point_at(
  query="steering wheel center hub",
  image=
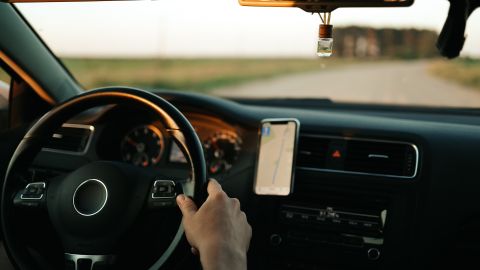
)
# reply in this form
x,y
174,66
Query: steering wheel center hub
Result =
x,y
90,197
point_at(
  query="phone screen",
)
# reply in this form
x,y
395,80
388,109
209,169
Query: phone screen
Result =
x,y
276,155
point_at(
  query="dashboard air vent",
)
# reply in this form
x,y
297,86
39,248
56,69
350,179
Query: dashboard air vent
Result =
x,y
358,156
70,138
388,158
312,152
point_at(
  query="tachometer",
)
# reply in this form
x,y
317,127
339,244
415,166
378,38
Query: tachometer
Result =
x,y
221,150
143,146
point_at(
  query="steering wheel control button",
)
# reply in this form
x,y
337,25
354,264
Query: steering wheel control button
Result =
x,y
163,189
33,195
34,191
90,197
373,254
163,194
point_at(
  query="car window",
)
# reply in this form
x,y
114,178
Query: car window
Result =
x,y
4,92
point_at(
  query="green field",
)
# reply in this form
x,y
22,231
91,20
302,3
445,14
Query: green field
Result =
x,y
3,76
206,74
464,71
186,74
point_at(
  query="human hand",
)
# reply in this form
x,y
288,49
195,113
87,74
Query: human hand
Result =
x,y
219,230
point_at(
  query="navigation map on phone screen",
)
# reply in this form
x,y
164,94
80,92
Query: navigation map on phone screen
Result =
x,y
274,174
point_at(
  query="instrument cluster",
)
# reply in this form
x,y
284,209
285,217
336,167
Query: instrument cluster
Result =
x,y
147,145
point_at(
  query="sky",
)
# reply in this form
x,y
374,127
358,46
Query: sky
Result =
x,y
213,28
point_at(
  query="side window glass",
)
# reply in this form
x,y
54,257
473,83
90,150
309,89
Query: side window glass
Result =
x,y
4,92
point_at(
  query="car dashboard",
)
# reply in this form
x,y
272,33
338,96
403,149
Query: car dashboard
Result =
x,y
370,191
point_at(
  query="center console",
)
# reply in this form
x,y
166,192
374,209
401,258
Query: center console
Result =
x,y
335,222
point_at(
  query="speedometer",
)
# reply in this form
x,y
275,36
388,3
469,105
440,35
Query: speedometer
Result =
x,y
143,146
221,150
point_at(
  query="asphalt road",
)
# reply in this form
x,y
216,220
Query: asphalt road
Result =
x,y
407,83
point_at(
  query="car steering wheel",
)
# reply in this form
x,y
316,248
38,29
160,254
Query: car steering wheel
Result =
x,y
92,207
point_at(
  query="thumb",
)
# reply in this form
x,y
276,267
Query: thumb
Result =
x,y
186,205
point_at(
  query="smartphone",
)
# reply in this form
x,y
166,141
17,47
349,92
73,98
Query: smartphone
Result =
x,y
274,172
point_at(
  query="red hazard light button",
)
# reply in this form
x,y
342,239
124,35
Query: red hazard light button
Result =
x,y
337,154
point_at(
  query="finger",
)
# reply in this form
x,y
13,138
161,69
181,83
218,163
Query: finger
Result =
x,y
186,205
235,203
213,187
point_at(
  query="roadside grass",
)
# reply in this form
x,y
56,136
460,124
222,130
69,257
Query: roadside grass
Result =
x,y
187,74
465,71
4,76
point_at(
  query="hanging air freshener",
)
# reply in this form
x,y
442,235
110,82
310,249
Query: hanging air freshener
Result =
x,y
325,36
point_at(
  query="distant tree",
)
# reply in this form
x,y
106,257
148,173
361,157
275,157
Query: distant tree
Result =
x,y
367,42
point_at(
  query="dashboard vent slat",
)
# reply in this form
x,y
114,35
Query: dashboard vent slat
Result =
x,y
358,156
70,138
312,152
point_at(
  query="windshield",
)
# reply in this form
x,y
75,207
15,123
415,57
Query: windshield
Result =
x,y
380,56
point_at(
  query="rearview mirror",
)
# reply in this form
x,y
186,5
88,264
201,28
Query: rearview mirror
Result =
x,y
325,5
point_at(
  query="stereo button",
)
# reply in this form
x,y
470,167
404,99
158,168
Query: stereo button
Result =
x,y
320,219
275,240
370,225
352,223
373,254
336,221
304,217
288,215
